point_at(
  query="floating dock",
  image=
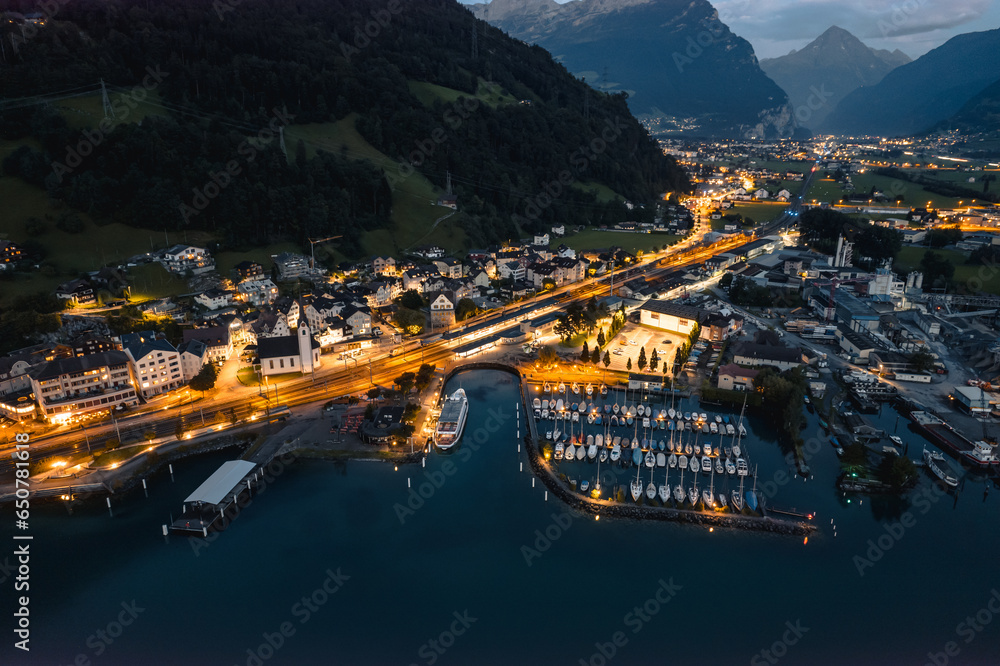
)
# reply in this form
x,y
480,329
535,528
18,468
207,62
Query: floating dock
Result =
x,y
216,496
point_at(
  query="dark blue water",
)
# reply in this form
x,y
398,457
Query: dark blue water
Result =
x,y
449,582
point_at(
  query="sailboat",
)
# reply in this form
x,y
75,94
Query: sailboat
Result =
x,y
580,452
719,467
730,467
636,486
547,387
693,492
603,456
607,408
661,459
590,389
576,388
682,462
562,387
706,464
636,456
665,488
570,452
708,495
615,408
737,497
604,389
616,453
592,450
722,500
559,451
752,494
650,459
672,460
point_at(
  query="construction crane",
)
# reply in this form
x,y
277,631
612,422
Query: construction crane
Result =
x,y
312,248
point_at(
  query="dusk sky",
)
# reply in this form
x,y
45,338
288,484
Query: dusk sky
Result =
x,y
775,27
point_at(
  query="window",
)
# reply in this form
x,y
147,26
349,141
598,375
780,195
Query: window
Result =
x,y
292,361
271,364
281,362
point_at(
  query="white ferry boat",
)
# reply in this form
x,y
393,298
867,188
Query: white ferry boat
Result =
x,y
451,423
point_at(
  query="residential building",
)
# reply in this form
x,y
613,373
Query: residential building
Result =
x,y
249,270
734,378
193,355
77,292
512,270
384,266
214,299
442,310
291,266
449,267
10,253
218,341
68,388
257,292
182,258
156,366
91,343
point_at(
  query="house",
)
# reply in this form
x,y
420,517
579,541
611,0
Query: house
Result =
x,y
481,279
566,252
214,299
193,355
336,331
91,343
734,378
783,195
783,358
443,310
155,366
512,270
257,292
429,251
289,353
383,266
10,253
448,200
14,373
18,405
66,388
718,327
249,270
540,239
77,292
358,318
217,339
415,278
559,230
182,258
449,267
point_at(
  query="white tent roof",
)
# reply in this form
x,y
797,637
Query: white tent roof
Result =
x,y
222,482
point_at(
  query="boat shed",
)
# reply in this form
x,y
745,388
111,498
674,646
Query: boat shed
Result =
x,y
223,482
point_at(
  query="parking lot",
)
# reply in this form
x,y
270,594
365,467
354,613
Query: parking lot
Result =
x,y
665,343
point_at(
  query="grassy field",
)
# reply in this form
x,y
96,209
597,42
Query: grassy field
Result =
x,y
88,111
603,193
757,210
967,278
591,239
226,261
414,208
152,281
429,93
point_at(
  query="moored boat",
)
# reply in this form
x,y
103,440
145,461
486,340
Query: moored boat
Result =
x,y
936,464
451,423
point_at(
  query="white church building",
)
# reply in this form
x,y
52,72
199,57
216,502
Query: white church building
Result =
x,y
298,352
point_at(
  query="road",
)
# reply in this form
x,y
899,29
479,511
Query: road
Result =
x,y
233,400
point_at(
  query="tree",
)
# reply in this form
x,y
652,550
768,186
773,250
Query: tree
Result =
x,y
547,355
411,321
465,308
654,359
205,379
607,359
940,237
405,382
726,280
936,269
411,299
897,471
642,358
601,340
628,364
585,353
374,393
424,375
149,435
595,356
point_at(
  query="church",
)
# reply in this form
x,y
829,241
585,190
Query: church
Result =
x,y
298,352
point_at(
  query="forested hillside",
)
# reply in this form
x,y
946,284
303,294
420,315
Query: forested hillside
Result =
x,y
219,83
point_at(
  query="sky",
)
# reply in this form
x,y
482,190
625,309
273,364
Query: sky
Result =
x,y
775,27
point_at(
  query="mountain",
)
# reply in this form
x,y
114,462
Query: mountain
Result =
x,y
819,75
681,66
382,105
915,96
979,114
